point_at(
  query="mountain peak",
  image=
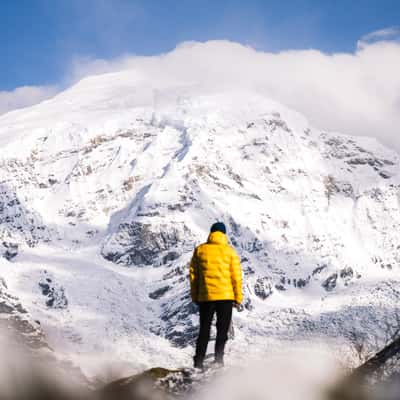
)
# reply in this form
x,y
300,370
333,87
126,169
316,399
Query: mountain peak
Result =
x,y
107,188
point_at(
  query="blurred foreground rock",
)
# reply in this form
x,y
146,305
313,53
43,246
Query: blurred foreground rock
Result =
x,y
153,384
376,379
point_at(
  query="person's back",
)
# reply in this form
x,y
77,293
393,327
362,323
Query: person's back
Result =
x,y
216,284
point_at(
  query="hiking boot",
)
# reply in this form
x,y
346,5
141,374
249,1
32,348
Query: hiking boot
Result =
x,y
198,363
219,362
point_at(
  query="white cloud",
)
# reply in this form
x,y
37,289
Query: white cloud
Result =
x,y
24,96
391,33
356,93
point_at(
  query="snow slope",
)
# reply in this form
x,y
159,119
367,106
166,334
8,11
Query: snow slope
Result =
x,y
106,189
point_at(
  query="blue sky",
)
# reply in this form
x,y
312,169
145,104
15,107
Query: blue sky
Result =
x,y
41,38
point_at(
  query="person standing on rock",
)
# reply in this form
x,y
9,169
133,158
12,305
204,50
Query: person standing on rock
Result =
x,y
216,286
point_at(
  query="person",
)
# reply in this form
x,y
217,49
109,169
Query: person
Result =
x,y
216,286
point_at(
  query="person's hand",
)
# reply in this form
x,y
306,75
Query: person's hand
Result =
x,y
238,306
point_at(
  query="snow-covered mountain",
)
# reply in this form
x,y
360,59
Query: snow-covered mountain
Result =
x,y
106,189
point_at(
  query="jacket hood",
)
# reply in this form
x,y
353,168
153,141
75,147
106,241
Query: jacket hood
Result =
x,y
217,238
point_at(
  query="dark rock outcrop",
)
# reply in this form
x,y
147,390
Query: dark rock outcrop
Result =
x,y
330,283
138,244
263,288
9,250
55,294
156,294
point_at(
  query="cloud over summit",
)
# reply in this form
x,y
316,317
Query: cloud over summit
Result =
x,y
355,93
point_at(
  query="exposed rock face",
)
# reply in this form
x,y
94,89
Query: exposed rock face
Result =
x,y
159,292
55,295
16,322
263,288
138,244
172,317
9,250
347,274
330,283
18,223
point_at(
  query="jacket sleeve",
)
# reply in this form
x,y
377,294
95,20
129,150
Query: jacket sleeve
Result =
x,y
194,277
236,277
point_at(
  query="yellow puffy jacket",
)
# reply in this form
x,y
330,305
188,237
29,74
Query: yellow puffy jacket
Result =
x,y
215,272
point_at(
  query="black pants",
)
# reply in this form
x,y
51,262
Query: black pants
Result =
x,y
223,308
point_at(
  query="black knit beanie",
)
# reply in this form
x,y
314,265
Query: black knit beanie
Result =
x,y
218,226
